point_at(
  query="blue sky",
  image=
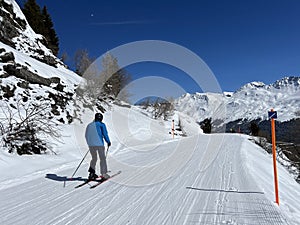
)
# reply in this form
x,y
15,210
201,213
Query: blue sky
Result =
x,y
241,41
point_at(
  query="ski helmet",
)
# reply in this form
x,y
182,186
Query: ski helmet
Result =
x,y
98,117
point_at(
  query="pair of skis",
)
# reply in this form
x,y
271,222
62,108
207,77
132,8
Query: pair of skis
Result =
x,y
99,181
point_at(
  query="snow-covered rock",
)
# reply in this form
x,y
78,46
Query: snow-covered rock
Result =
x,y
17,33
29,70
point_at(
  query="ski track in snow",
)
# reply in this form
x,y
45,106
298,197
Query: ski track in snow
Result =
x,y
214,187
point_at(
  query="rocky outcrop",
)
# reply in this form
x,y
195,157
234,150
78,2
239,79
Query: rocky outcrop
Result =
x,y
10,24
14,32
27,78
46,93
7,57
22,72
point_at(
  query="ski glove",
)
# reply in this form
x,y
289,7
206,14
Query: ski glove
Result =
x,y
108,144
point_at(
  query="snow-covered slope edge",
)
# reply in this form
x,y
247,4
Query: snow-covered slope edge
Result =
x,y
260,166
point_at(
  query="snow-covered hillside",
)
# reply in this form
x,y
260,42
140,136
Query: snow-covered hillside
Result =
x,y
28,70
16,32
37,91
250,102
201,179
22,48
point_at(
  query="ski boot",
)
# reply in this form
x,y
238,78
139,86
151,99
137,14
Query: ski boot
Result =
x,y
92,175
105,176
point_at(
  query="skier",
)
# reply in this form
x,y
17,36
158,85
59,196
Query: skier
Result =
x,y
94,134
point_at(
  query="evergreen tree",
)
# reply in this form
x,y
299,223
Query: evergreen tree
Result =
x,y
49,32
41,22
32,12
254,129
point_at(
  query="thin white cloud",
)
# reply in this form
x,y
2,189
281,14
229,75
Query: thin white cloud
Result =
x,y
128,22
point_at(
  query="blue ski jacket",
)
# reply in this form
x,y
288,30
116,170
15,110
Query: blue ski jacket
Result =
x,y
95,132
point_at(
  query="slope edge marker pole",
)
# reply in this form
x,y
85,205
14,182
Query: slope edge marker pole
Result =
x,y
273,116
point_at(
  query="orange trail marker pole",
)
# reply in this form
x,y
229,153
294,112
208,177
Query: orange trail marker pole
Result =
x,y
274,158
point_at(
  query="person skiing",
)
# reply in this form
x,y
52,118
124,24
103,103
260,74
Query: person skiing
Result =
x,y
94,134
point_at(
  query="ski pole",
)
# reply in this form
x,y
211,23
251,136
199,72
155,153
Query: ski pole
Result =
x,y
80,163
106,151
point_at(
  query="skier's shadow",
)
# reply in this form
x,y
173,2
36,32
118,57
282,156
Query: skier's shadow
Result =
x,y
63,179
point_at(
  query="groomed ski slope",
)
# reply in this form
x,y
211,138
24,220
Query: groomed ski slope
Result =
x,y
202,179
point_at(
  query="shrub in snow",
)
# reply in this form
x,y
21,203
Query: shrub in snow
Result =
x,y
25,126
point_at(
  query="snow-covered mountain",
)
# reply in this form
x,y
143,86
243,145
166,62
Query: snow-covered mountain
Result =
x,y
252,101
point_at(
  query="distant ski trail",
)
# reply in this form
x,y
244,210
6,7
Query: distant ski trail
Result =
x,y
214,187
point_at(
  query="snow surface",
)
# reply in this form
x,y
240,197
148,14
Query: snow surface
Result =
x,y
199,179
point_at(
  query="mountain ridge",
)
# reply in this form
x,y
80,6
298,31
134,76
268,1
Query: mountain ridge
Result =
x,y
252,101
